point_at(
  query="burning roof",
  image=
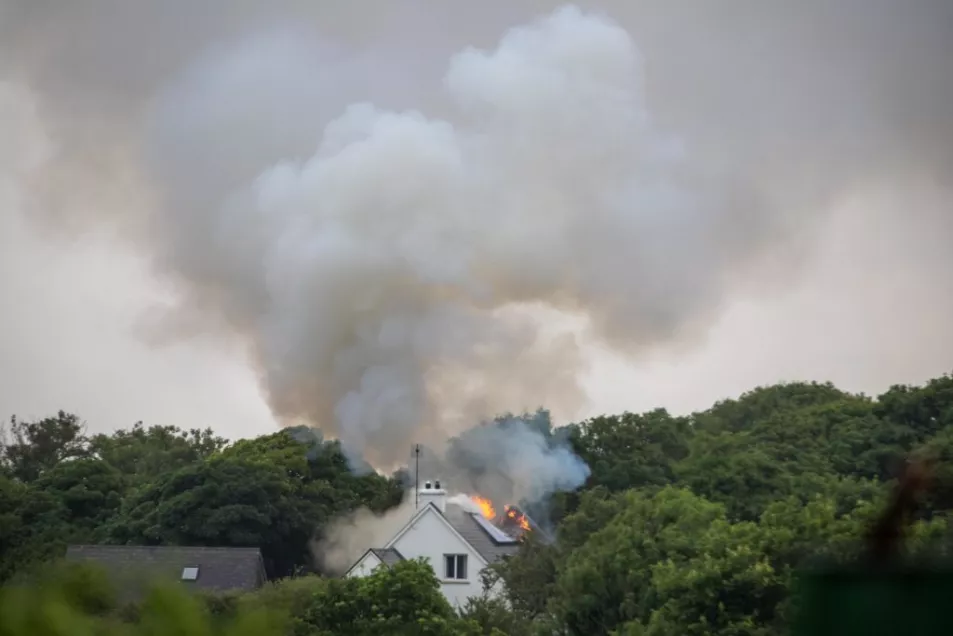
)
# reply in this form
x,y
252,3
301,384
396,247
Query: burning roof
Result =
x,y
511,520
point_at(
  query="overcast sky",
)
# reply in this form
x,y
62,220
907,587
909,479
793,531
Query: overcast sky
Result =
x,y
861,294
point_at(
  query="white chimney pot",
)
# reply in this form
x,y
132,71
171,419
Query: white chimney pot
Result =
x,y
433,493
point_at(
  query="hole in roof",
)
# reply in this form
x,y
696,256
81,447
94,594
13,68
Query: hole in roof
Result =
x,y
190,574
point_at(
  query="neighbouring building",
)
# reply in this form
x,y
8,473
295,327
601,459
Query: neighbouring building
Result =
x,y
132,568
458,542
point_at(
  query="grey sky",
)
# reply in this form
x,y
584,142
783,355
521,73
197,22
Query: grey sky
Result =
x,y
840,110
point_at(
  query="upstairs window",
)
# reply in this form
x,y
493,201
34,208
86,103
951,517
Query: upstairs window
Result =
x,y
455,567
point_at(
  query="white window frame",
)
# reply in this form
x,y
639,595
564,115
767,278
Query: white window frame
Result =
x,y
452,566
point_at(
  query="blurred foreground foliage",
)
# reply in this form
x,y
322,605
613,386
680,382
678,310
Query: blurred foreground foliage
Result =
x,y
78,600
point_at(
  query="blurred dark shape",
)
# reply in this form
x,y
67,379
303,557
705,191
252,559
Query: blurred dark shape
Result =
x,y
897,600
882,591
886,536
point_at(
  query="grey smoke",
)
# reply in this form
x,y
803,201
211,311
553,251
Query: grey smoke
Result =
x,y
383,213
387,281
514,459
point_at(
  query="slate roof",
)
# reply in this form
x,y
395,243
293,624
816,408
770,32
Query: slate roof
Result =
x,y
132,567
389,556
464,522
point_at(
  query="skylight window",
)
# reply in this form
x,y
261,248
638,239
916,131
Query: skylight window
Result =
x,y
190,574
495,533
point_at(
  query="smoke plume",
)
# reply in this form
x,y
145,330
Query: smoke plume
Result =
x,y
511,460
388,282
347,538
393,246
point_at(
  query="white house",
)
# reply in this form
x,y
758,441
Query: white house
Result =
x,y
458,543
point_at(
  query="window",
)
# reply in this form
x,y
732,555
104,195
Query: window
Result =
x,y
190,574
455,566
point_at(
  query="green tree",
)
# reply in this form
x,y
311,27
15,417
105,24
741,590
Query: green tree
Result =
x,y
762,402
141,454
494,617
733,469
90,493
224,501
528,577
925,410
607,582
402,600
629,450
32,529
727,587
27,449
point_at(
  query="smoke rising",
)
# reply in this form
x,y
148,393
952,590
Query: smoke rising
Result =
x,y
387,281
349,536
392,244
513,459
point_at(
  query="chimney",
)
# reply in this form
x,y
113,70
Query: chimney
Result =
x,y
433,493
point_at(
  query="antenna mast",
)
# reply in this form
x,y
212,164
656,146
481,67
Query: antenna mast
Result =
x,y
416,476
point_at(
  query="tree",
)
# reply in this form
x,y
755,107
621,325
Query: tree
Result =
x,y
224,501
631,451
273,492
733,469
727,587
30,448
32,529
528,578
141,454
90,493
493,617
403,599
755,405
925,410
607,582
323,471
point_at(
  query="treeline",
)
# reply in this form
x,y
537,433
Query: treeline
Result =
x,y
164,486
687,525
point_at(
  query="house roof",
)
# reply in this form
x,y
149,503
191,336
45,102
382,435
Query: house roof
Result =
x,y
465,523
388,556
219,569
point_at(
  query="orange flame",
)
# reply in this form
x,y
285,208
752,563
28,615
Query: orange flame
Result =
x,y
485,505
517,517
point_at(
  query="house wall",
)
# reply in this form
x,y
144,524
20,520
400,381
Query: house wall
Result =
x,y
431,538
368,563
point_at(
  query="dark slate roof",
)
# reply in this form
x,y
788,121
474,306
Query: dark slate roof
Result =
x,y
133,566
389,556
469,528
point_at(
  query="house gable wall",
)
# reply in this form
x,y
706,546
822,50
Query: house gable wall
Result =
x,y
430,536
365,565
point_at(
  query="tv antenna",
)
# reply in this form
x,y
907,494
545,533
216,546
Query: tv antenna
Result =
x,y
416,476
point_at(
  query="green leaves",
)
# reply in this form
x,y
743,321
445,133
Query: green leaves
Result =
x,y
78,601
30,448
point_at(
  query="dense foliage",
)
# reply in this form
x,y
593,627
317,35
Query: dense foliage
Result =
x,y
401,601
164,486
687,525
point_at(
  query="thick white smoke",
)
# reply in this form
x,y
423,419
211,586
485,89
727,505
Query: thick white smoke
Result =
x,y
391,282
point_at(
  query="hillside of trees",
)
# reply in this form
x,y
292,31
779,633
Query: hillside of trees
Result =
x,y
688,525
